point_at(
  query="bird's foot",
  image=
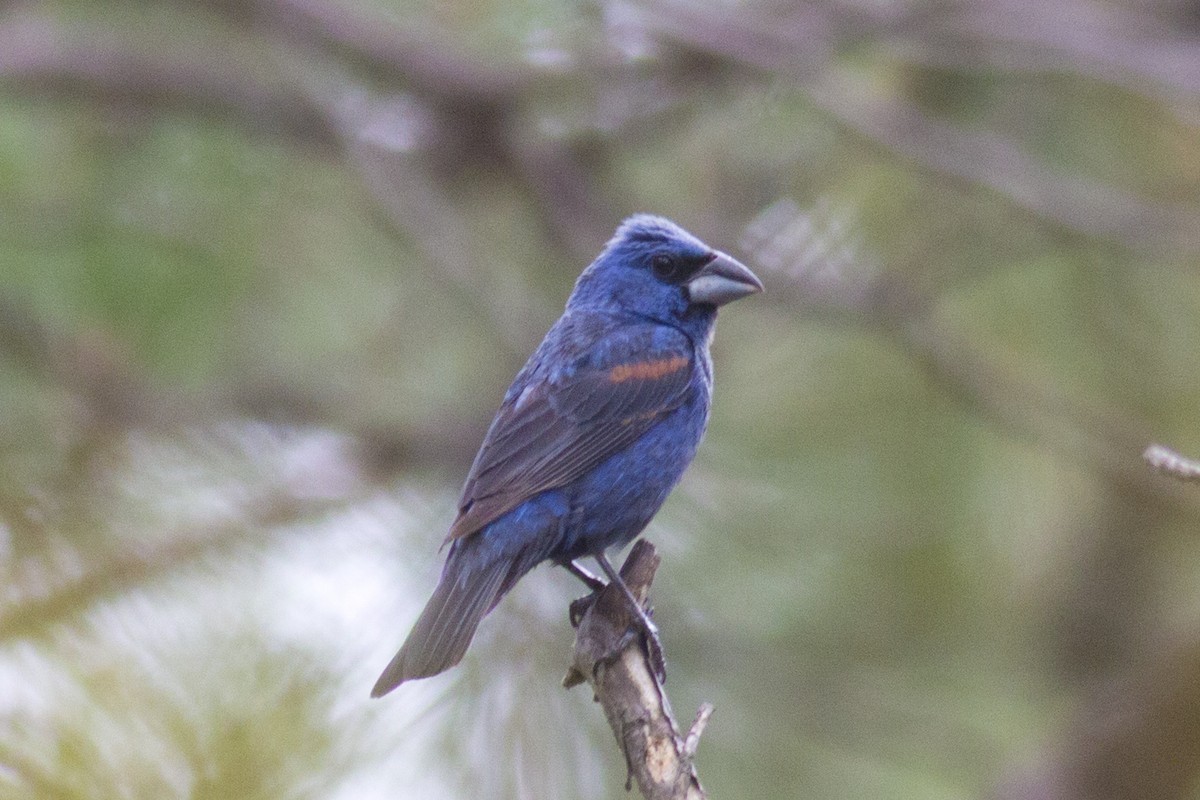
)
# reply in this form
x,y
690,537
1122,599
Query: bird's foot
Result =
x,y
581,606
654,648
591,581
641,620
649,636
640,626
640,623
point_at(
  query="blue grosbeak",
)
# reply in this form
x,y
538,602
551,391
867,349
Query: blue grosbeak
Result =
x,y
595,431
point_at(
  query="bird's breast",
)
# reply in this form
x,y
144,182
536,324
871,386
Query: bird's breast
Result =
x,y
614,502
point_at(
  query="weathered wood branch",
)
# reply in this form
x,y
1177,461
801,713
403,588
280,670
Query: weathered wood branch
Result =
x,y
615,664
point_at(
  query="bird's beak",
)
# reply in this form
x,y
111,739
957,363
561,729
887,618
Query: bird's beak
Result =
x,y
721,281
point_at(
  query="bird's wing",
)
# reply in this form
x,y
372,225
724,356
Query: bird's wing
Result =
x,y
556,429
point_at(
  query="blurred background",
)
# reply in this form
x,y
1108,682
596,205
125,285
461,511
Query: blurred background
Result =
x,y
268,266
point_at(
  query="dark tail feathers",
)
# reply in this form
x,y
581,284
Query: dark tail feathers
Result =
x,y
464,594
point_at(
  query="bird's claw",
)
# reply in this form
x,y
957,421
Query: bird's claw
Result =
x,y
640,624
654,649
579,607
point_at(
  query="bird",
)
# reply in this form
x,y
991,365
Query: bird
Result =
x,y
595,431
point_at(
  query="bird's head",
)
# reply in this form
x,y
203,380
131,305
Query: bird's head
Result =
x,y
654,269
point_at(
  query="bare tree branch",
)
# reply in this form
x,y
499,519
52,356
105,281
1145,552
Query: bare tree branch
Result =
x,y
614,663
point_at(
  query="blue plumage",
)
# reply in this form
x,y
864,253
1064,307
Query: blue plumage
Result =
x,y
595,431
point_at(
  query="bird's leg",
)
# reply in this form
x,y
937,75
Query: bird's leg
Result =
x,y
590,580
580,606
653,644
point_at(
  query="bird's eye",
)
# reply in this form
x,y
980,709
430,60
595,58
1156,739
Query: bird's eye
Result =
x,y
664,266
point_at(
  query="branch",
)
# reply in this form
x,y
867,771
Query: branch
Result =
x,y
989,159
431,62
820,269
43,53
616,666
1166,460
803,45
109,392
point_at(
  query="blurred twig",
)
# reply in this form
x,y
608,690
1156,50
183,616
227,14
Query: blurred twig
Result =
x,y
659,757
426,60
803,45
1147,743
988,159
1023,401
90,365
392,139
1169,462
476,103
1101,41
1032,405
50,53
111,393
455,111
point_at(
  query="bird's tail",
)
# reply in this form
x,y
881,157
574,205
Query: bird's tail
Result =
x,y
466,591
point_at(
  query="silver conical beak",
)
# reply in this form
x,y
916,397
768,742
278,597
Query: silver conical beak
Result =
x,y
721,281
